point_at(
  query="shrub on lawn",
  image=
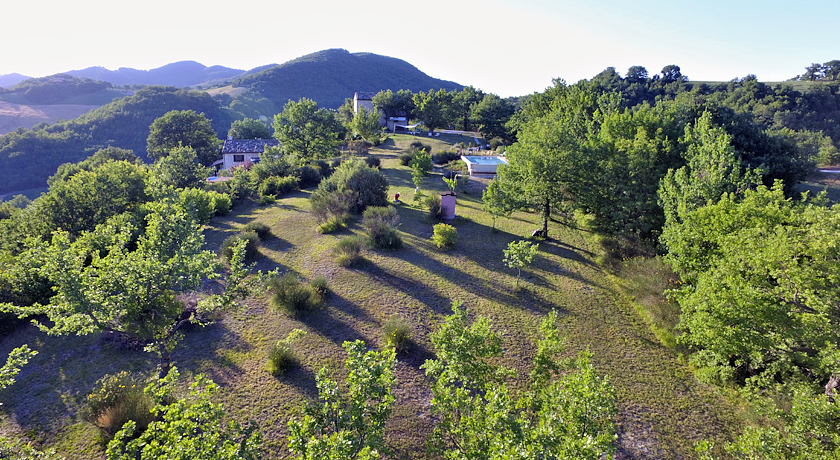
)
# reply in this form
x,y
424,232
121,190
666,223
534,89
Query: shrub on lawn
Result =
x,y
278,186
432,203
321,287
116,399
405,158
397,333
446,156
282,356
332,209
348,250
444,236
366,186
221,203
381,223
308,176
262,230
291,296
373,162
251,246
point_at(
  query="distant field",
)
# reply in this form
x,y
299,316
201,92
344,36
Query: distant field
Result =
x,y
14,116
233,91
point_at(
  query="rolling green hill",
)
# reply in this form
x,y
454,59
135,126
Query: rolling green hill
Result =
x,y
330,76
28,158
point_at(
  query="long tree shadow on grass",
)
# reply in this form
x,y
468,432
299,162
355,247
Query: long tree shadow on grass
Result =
x,y
333,328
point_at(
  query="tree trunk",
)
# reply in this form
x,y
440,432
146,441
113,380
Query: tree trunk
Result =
x,y
546,215
165,361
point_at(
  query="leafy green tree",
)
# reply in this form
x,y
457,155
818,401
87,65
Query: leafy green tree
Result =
x,y
394,104
351,425
672,73
88,198
713,169
496,202
179,169
460,110
308,131
121,279
94,161
480,417
431,108
186,428
551,163
366,125
183,128
636,74
491,116
249,128
758,295
17,359
520,254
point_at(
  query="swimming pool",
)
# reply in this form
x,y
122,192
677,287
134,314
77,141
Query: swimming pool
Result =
x,y
483,164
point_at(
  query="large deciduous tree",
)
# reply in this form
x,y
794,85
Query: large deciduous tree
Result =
x,y
183,128
366,125
352,425
125,276
249,128
549,164
563,412
308,131
490,116
187,428
431,108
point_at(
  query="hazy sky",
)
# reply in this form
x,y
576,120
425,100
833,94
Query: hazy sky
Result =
x,y
508,47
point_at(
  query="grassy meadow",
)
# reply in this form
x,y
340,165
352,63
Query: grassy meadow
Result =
x,y
663,409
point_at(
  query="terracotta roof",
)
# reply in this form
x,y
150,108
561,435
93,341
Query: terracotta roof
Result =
x,y
248,145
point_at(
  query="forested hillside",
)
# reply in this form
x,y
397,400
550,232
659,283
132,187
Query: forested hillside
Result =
x,y
328,77
28,157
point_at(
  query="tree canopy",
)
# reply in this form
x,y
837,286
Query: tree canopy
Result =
x,y
183,128
308,131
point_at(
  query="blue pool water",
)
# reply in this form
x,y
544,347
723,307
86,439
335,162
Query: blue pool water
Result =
x,y
485,160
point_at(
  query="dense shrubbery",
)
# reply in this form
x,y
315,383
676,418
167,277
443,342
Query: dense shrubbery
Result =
x,y
434,206
381,225
398,333
262,230
445,156
115,400
252,245
444,236
277,186
291,296
348,250
360,185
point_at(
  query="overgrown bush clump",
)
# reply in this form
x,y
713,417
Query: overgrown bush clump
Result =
x,y
348,250
262,230
278,186
251,246
446,156
444,236
308,176
397,333
282,356
116,399
434,206
373,162
381,225
291,296
364,186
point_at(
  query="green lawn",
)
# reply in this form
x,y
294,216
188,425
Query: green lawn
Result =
x,y
663,410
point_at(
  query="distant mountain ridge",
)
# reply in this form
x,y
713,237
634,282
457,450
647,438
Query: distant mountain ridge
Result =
x,y
11,79
330,76
180,74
